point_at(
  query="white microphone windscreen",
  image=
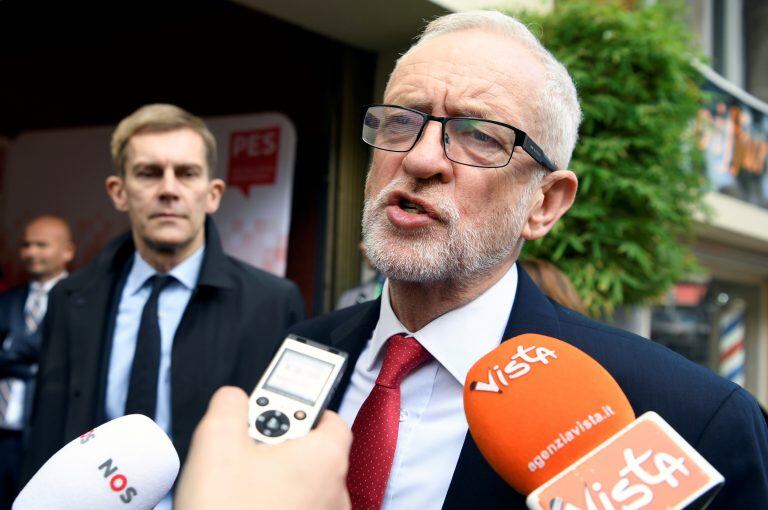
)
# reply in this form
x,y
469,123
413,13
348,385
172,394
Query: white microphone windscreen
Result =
x,y
127,463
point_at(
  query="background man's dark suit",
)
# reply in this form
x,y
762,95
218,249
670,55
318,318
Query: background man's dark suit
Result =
x,y
227,335
720,420
18,360
21,356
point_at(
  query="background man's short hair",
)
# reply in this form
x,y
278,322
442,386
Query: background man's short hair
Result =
x,y
157,118
557,111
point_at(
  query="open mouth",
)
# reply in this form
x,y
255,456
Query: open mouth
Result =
x,y
411,207
409,212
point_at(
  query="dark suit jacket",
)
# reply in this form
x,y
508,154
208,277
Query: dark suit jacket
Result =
x,y
721,420
20,359
227,335
14,359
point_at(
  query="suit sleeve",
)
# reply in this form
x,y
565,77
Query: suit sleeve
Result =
x,y
20,361
50,402
735,442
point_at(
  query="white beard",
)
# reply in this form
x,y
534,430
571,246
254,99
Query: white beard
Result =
x,y
448,251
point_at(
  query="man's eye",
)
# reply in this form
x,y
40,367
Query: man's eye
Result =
x,y
482,137
400,122
147,172
475,134
478,136
188,173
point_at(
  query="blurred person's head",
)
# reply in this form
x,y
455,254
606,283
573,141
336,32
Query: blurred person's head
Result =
x,y
554,283
46,248
164,161
431,214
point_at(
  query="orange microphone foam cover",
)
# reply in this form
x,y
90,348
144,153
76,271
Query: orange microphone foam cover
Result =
x,y
536,404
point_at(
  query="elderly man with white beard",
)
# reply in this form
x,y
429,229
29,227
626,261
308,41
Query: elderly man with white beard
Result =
x,y
472,143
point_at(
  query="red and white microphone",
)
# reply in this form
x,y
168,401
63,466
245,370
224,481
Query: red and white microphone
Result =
x,y
556,426
127,463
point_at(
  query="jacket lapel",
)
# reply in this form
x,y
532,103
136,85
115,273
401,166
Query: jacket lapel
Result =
x,y
91,310
474,483
351,337
201,337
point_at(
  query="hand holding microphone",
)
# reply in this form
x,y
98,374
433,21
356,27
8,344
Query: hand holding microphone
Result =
x,y
227,470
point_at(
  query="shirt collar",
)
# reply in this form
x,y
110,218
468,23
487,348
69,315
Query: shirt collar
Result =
x,y
186,273
47,286
458,338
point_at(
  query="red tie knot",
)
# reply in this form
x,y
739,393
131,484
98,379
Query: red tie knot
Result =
x,y
404,355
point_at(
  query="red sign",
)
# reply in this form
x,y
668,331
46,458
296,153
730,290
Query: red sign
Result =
x,y
253,158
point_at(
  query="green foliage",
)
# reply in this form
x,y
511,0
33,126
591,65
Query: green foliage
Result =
x,y
625,240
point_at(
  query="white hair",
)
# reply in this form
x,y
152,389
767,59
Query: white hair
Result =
x,y
557,112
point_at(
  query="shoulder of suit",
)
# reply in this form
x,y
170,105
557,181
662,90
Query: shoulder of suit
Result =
x,y
79,278
8,296
113,254
15,290
322,325
250,275
643,367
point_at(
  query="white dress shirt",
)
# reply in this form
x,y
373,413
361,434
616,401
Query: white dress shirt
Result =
x,y
171,304
432,422
14,414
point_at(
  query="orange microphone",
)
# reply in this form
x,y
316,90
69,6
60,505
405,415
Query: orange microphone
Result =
x,y
556,426
536,404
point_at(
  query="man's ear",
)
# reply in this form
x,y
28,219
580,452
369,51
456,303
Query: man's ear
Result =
x,y
69,252
116,190
552,199
216,189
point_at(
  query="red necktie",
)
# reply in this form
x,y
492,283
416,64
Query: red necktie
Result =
x,y
375,429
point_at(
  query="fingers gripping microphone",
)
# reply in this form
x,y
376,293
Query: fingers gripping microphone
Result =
x,y
536,404
544,414
127,463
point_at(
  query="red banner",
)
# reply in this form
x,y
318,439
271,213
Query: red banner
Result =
x,y
253,158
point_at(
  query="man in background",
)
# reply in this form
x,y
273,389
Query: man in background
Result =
x,y
46,250
162,317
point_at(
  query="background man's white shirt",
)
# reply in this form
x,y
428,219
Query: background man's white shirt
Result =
x,y
432,421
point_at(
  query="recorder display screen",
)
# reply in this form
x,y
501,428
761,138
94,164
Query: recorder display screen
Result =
x,y
299,376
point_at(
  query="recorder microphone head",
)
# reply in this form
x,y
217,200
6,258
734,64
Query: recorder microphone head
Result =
x,y
536,404
127,463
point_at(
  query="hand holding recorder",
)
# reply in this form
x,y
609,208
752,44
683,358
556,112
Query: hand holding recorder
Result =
x,y
226,469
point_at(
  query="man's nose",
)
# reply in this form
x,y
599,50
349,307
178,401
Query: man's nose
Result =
x,y
169,184
427,158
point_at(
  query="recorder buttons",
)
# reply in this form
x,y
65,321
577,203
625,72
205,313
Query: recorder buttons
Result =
x,y
272,423
299,415
262,401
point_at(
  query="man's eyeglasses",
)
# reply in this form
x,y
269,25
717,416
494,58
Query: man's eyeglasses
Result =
x,y
466,140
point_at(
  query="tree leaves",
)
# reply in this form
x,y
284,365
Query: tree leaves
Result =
x,y
625,239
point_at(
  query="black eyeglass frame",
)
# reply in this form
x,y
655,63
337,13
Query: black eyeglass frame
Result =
x,y
521,138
